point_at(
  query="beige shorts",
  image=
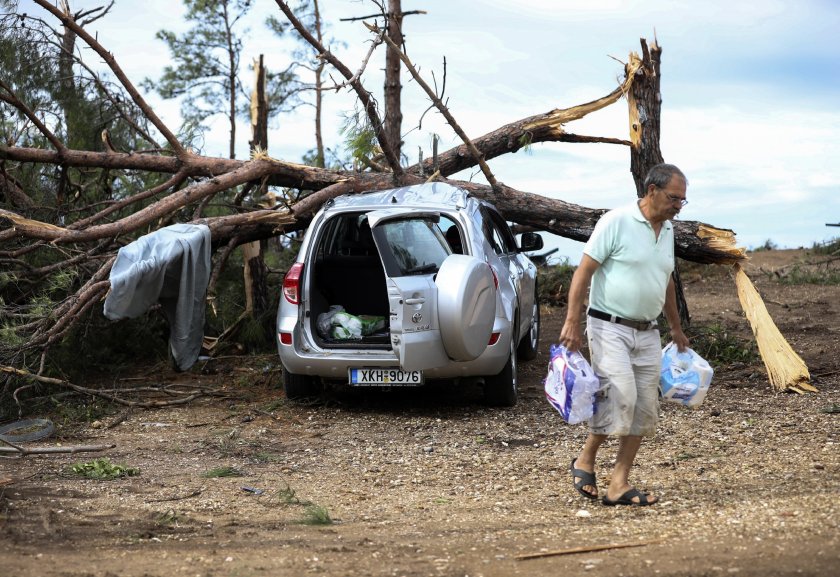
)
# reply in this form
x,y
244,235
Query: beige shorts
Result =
x,y
627,362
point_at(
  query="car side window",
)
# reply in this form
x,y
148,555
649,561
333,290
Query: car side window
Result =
x,y
498,232
452,234
346,235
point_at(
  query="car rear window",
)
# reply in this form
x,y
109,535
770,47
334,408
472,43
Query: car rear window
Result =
x,y
417,246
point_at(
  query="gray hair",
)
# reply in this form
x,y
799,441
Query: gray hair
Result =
x,y
661,174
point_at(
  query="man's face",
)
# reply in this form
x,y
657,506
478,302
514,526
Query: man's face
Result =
x,y
668,201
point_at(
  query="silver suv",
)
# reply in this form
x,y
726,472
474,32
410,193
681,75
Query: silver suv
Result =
x,y
396,287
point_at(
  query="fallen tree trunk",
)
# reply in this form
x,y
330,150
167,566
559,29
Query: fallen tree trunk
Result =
x,y
695,241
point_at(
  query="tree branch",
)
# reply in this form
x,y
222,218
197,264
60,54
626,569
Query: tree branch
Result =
x,y
479,158
68,22
361,92
12,99
546,127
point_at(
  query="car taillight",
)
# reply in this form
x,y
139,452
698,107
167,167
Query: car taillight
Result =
x,y
494,338
291,283
495,278
285,338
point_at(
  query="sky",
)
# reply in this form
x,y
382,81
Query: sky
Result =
x,y
750,95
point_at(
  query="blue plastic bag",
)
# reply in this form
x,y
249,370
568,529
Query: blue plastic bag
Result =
x,y
571,385
685,376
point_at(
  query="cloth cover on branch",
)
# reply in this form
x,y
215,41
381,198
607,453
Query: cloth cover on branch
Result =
x,y
170,266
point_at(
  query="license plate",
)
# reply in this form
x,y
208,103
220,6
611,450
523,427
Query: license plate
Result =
x,y
385,377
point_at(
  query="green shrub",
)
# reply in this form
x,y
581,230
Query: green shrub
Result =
x,y
768,245
102,469
316,515
719,346
553,283
97,344
800,274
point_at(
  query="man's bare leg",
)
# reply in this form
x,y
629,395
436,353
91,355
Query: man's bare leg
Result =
x,y
628,446
586,459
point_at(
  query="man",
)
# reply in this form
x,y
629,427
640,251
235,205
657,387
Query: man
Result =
x,y
628,260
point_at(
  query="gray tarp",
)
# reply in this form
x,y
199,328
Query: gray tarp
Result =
x,y
170,266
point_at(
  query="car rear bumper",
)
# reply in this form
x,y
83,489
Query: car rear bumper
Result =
x,y
303,357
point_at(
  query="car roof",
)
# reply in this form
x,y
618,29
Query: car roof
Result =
x,y
425,195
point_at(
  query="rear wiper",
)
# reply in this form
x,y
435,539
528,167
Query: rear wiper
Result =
x,y
423,269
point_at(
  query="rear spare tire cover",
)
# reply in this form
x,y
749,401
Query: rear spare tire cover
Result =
x,y
466,306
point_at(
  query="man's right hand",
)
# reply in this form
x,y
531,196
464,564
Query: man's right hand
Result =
x,y
571,336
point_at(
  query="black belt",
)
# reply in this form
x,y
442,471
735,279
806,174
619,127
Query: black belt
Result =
x,y
638,325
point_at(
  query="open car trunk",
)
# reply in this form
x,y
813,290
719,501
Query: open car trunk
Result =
x,y
388,279
347,275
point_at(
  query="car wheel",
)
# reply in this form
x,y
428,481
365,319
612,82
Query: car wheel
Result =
x,y
501,390
300,386
529,346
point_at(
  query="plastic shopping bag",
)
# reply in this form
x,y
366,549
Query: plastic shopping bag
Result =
x,y
337,323
685,376
571,385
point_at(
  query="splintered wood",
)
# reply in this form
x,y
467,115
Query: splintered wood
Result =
x,y
786,369
722,240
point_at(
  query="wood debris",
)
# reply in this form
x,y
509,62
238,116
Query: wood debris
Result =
x,y
785,368
588,549
722,240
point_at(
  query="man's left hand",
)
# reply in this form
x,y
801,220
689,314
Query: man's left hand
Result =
x,y
679,338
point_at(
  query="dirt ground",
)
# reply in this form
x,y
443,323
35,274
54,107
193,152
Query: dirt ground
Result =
x,y
429,482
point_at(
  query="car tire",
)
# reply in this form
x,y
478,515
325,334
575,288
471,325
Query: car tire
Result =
x,y
300,386
530,344
501,390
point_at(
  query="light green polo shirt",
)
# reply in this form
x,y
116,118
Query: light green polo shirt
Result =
x,y
635,266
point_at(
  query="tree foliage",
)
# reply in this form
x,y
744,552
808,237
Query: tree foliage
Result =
x,y
207,70
205,73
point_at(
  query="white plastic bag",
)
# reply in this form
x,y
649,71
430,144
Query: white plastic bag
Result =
x,y
339,324
685,376
571,385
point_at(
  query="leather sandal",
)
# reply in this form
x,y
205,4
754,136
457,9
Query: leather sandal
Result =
x,y
627,499
586,479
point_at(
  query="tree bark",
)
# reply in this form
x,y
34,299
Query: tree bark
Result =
x,y
393,88
254,269
231,80
320,157
644,101
13,192
645,106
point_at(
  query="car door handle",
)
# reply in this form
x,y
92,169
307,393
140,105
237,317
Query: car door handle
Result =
x,y
415,301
